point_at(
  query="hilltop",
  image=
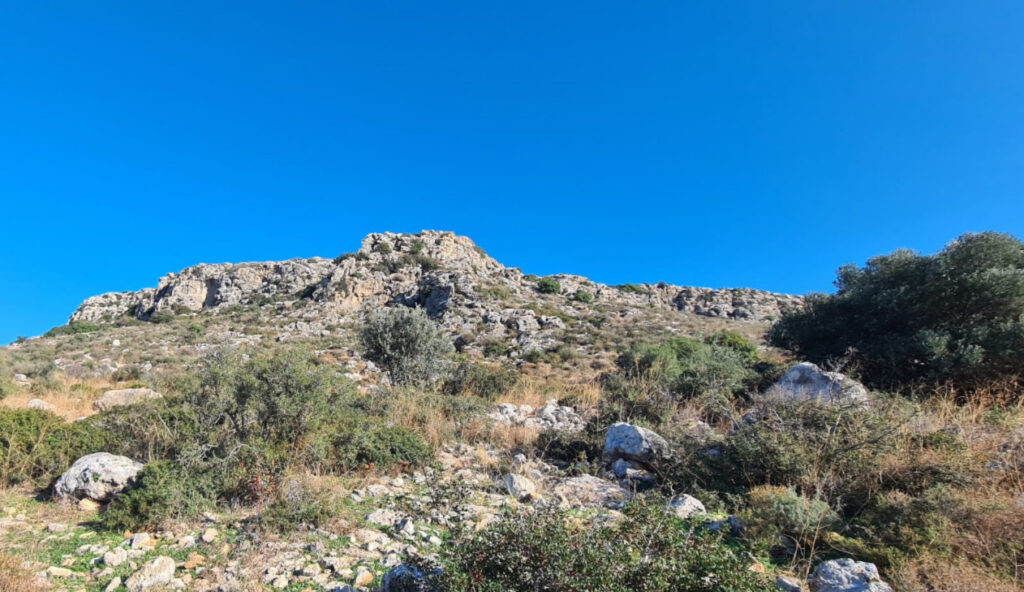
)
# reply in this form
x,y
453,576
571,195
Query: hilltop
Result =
x,y
488,309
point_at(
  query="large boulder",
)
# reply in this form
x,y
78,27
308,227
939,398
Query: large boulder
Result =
x,y
633,443
98,476
808,382
846,575
121,397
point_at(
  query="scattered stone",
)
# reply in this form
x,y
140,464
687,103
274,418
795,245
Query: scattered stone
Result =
x,y
629,442
40,405
363,578
808,382
156,572
686,506
405,578
113,585
788,583
209,535
122,397
587,490
382,517
142,541
846,575
115,557
99,477
56,527
520,487
59,572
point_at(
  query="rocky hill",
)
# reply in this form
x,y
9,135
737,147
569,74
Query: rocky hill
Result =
x,y
487,307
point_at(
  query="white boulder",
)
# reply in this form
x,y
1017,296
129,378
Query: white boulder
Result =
x,y
807,382
98,476
846,575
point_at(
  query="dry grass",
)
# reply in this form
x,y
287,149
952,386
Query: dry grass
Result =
x,y
583,394
932,575
14,577
71,398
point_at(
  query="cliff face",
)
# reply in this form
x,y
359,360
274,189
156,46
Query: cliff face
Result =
x,y
453,278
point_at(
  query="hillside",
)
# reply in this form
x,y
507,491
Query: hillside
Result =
x,y
488,309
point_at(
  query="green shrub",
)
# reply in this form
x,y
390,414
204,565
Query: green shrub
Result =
x,y
7,386
548,285
481,380
791,525
162,492
382,248
37,446
956,316
550,550
162,316
408,344
632,289
828,452
72,328
690,368
561,446
583,296
298,507
417,247
375,442
343,257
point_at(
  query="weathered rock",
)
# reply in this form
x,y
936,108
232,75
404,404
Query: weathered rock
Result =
x,y
160,571
686,506
846,575
407,578
788,583
98,476
633,443
39,405
520,487
590,491
808,382
122,397
115,556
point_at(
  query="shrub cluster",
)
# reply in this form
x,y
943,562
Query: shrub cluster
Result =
x,y
408,344
954,317
548,285
554,551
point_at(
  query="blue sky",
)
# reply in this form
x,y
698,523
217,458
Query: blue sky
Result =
x,y
721,144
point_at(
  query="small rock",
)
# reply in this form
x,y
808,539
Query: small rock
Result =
x,y
156,572
113,585
846,575
363,578
56,527
40,405
58,572
115,557
686,506
209,535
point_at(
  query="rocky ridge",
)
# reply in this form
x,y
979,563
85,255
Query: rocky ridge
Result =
x,y
458,284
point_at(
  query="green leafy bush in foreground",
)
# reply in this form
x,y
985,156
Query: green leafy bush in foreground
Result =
x,y
408,344
553,551
37,446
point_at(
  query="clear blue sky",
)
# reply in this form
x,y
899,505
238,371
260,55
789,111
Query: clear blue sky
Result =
x,y
721,144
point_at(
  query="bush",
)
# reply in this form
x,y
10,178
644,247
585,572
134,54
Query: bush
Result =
x,y
382,248
632,289
583,296
7,386
407,343
953,317
37,446
72,328
376,443
163,491
689,368
481,380
548,285
550,550
788,523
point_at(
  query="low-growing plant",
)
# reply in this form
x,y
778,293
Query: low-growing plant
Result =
x,y
583,296
481,380
548,285
551,550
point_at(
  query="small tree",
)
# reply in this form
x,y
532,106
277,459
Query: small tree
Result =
x,y
956,316
408,345
548,286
